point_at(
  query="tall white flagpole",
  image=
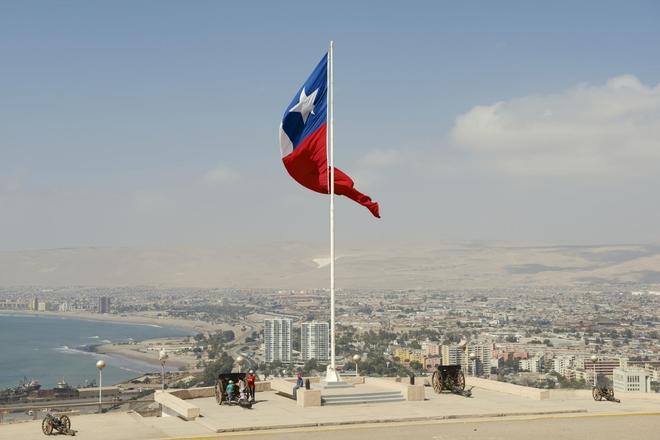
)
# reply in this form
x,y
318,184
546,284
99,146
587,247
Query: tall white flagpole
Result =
x,y
331,375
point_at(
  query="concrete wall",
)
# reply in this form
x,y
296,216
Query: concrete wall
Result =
x,y
196,393
193,393
554,394
508,388
307,398
94,392
317,379
175,406
282,386
567,393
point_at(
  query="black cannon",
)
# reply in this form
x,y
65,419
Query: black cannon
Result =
x,y
450,378
221,390
61,424
603,392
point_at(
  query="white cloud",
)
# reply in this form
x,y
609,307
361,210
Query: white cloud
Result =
x,y
380,158
220,175
611,129
370,169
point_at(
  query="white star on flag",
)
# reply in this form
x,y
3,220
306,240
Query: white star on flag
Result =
x,y
305,104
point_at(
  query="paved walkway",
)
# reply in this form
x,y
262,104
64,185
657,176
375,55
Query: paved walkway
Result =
x,y
118,426
612,428
276,412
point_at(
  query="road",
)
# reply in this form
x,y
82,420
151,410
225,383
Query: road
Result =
x,y
615,427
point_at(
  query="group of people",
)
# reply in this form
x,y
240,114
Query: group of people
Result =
x,y
245,389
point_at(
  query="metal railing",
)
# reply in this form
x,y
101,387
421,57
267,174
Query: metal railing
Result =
x,y
132,403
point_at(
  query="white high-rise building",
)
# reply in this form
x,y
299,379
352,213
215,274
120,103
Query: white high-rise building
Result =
x,y
277,338
315,341
483,352
104,304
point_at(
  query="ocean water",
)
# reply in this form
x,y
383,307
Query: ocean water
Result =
x,y
50,349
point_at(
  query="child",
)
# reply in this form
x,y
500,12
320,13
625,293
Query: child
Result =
x,y
231,389
241,388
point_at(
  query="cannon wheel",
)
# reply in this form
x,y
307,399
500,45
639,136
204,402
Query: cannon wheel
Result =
x,y
46,426
436,381
460,380
610,394
65,423
595,393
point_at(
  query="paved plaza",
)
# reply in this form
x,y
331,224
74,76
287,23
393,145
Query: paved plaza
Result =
x,y
274,413
552,428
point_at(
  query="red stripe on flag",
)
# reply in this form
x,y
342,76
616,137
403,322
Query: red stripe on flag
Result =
x,y
308,165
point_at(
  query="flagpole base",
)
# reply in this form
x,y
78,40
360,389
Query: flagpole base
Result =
x,y
332,375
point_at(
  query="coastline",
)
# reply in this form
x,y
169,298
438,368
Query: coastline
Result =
x,y
179,324
145,351
53,347
139,350
150,358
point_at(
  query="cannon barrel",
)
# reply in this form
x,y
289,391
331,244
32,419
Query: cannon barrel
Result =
x,y
607,393
450,378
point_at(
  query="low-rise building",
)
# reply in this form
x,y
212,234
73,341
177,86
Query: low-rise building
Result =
x,y
630,379
431,348
533,364
603,367
454,354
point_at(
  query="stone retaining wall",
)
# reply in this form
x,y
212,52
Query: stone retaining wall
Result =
x,y
508,388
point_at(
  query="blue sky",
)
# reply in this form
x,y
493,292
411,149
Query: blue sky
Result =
x,y
155,122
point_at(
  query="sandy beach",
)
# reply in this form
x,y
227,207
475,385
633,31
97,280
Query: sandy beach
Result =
x,y
148,350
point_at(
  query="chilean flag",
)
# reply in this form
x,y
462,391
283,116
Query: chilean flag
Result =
x,y
303,140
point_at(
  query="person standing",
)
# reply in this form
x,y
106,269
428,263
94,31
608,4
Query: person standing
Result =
x,y
252,387
231,389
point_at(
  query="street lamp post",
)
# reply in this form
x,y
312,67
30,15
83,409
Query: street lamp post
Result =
x,y
463,346
473,362
594,358
100,364
387,364
162,357
356,359
239,361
